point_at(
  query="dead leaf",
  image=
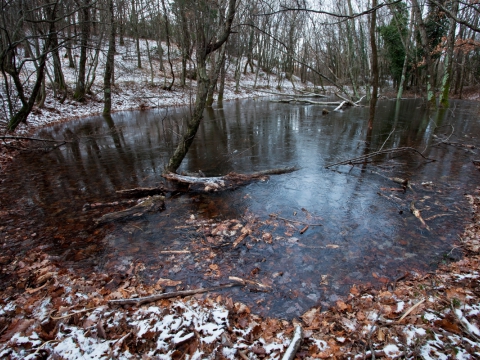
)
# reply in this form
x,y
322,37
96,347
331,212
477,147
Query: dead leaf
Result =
x,y
167,282
309,316
447,325
341,305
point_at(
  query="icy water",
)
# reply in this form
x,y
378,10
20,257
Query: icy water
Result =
x,y
368,235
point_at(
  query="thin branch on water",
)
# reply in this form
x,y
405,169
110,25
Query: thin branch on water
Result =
x,y
380,152
391,132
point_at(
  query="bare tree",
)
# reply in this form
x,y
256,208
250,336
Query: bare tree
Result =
x,y
209,39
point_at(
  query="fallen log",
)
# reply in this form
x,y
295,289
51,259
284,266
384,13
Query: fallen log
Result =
x,y
148,205
350,102
282,94
305,101
156,297
219,183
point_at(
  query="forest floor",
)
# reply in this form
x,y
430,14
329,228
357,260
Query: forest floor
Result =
x,y
49,311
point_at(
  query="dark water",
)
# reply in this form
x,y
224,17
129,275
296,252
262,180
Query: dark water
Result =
x,y
366,238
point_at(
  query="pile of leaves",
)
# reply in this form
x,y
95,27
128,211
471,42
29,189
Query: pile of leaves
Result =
x,y
51,312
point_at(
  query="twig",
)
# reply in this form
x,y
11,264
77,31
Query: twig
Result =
x,y
388,137
417,214
41,346
175,252
293,221
411,309
74,313
147,299
462,323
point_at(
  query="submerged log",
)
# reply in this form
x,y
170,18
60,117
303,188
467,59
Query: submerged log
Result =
x,y
141,192
148,205
230,181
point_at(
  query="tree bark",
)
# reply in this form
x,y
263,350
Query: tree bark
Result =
x,y
373,44
431,99
214,73
81,87
107,79
447,75
27,105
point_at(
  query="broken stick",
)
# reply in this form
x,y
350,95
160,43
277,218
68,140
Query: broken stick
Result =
x,y
294,344
148,205
147,299
418,215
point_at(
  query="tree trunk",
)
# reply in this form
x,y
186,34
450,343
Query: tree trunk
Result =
x,y
107,79
27,105
81,87
373,44
136,34
428,58
405,61
167,34
204,48
197,116
223,74
214,73
447,75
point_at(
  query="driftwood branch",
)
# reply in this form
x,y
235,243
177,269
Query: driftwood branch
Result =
x,y
229,181
152,298
362,158
148,205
